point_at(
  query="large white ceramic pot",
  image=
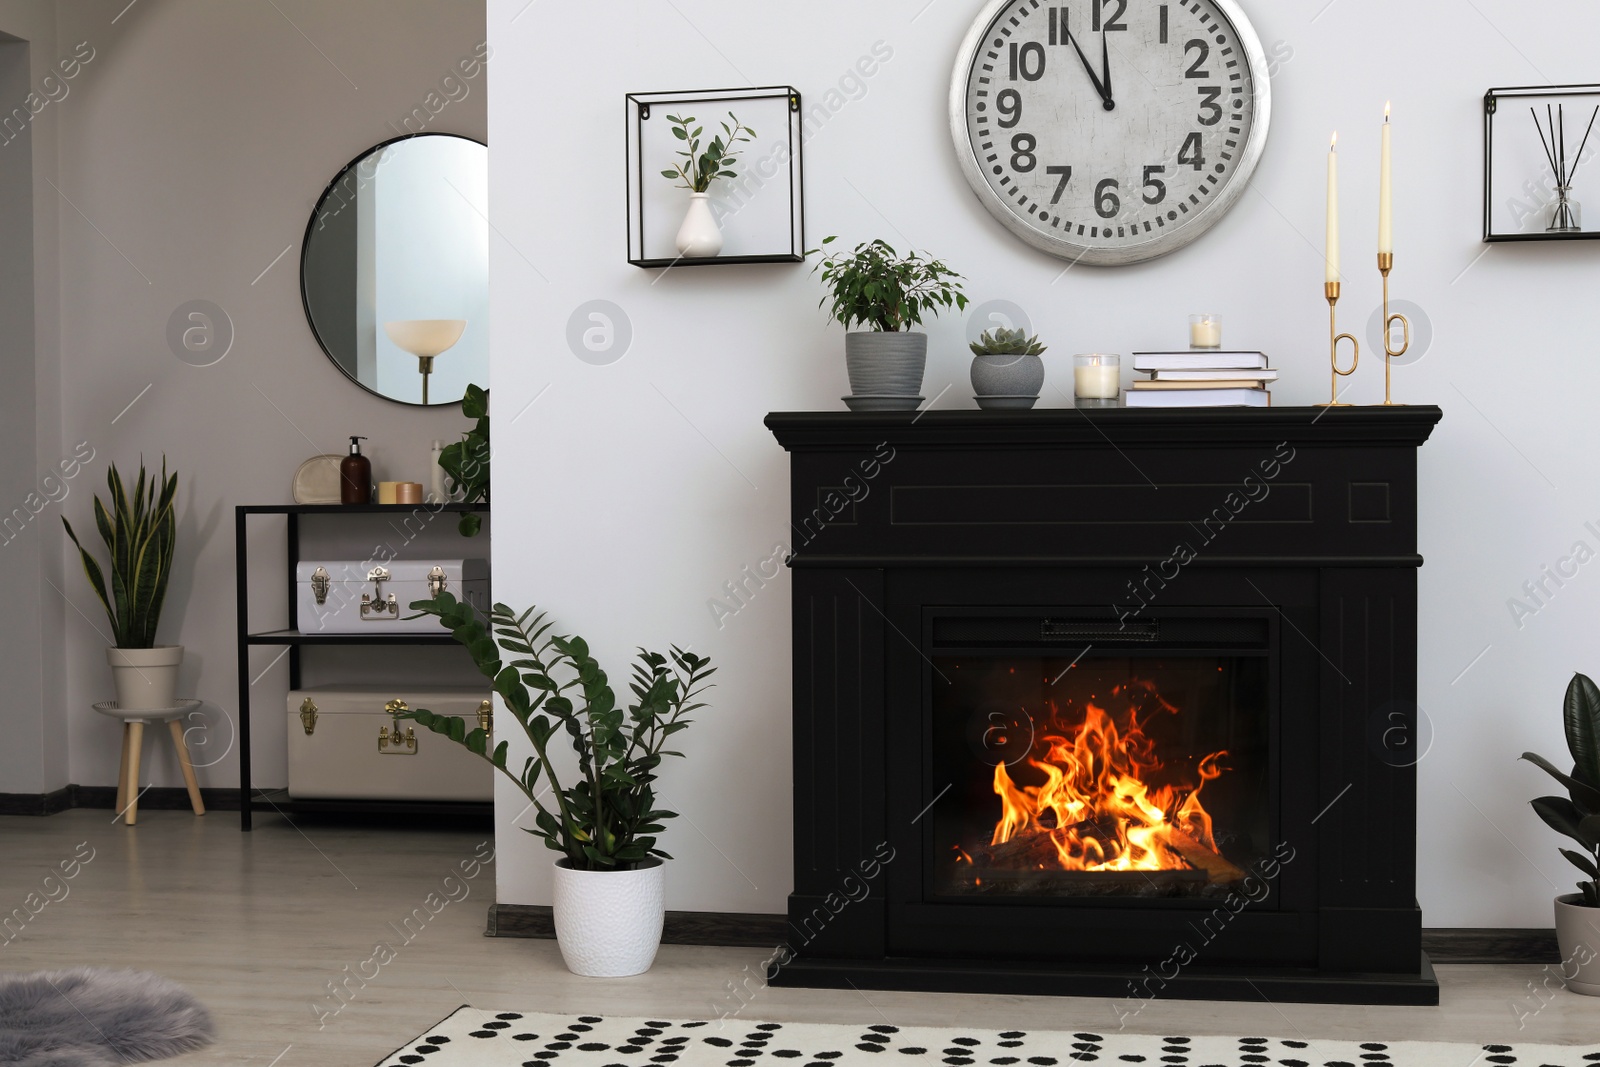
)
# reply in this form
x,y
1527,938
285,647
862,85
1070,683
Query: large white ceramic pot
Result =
x,y
145,677
608,923
1578,932
885,364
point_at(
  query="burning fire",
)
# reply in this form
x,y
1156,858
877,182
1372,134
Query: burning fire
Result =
x,y
1098,808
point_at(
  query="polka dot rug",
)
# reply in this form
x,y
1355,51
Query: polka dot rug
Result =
x,y
474,1038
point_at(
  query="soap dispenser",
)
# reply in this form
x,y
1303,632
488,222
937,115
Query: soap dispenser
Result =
x,y
355,476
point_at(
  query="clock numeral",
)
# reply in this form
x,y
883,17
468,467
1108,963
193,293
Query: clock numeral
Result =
x,y
1155,183
1197,68
1115,21
1163,23
1009,104
1106,203
1060,33
1210,95
1192,153
1065,174
1023,158
1028,61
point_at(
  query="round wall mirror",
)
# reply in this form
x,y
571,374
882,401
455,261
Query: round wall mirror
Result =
x,y
394,271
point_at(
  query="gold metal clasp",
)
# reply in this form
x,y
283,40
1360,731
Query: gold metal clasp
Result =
x,y
486,716
319,584
373,605
308,716
437,582
395,742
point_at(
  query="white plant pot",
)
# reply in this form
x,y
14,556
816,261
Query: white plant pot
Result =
x,y
1578,933
700,237
145,677
608,923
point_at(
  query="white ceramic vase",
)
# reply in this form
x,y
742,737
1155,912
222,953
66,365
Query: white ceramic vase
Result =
x,y
700,237
608,923
146,678
1578,933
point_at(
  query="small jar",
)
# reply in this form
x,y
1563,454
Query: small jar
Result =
x,y
1097,380
1205,331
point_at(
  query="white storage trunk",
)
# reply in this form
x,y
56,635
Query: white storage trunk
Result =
x,y
365,597
344,744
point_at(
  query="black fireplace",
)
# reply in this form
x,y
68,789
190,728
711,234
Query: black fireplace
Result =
x,y
1110,703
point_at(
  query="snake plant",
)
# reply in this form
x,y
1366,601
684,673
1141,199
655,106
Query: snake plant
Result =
x,y
140,530
1577,815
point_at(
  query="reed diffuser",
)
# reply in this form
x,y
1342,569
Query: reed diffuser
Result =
x,y
1566,216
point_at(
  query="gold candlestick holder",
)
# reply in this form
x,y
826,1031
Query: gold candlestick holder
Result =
x,y
1390,353
1331,290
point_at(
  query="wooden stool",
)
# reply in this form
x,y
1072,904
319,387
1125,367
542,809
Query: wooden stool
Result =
x,y
133,723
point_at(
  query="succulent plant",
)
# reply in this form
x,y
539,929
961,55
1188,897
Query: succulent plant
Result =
x,y
1008,343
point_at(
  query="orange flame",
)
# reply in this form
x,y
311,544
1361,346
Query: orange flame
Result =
x,y
1097,805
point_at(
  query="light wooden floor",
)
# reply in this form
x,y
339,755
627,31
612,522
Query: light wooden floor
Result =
x,y
258,925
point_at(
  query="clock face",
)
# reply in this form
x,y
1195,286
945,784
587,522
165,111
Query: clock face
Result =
x,y
1110,131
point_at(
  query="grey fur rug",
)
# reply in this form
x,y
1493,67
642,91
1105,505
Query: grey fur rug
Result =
x,y
89,1017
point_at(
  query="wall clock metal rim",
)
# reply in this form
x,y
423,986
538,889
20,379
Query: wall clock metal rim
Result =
x,y
1095,255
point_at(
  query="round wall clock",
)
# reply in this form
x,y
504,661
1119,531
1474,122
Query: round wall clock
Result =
x,y
1110,131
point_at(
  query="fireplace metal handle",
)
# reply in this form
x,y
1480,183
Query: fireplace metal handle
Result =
x,y
1098,630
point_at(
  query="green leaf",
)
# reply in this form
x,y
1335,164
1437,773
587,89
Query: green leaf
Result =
x,y
1581,715
1582,862
1562,816
1585,796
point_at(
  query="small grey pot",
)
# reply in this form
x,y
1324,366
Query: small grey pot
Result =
x,y
886,364
1007,375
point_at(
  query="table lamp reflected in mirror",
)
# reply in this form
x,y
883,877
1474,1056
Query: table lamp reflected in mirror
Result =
x,y
425,339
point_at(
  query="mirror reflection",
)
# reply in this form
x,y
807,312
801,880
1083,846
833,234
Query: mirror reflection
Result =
x,y
395,269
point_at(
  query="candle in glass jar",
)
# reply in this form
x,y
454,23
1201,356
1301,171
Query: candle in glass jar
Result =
x,y
1205,331
1097,377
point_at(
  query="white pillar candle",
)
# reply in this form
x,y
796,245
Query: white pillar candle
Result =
x,y
1385,194
1097,377
1205,331
1333,209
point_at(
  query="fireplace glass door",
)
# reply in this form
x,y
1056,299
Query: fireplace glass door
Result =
x,y
1133,774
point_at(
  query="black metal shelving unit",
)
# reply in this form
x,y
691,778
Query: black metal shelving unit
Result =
x,y
278,801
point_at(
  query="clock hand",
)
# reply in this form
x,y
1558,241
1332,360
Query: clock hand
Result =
x,y
1089,70
1105,72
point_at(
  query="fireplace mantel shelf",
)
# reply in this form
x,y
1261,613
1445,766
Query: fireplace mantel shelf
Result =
x,y
1124,427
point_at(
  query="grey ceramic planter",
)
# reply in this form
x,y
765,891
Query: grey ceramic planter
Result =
x,y
1010,375
886,364
1578,933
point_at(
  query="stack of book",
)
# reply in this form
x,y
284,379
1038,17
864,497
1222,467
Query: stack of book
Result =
x,y
1198,377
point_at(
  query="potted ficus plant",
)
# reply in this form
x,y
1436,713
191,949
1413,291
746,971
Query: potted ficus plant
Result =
x,y
1577,815
608,880
700,236
878,296
140,530
1006,369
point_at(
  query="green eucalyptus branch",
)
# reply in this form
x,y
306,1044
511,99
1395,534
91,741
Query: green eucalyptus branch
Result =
x,y
699,169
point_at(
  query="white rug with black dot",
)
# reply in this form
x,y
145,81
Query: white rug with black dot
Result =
x,y
474,1038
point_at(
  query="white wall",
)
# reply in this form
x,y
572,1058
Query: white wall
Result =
x,y
34,758
192,149
639,488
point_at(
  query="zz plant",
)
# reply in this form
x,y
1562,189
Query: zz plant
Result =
x,y
1577,815
608,819
877,288
466,462
140,531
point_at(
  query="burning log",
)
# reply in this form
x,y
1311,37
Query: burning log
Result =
x,y
1201,858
